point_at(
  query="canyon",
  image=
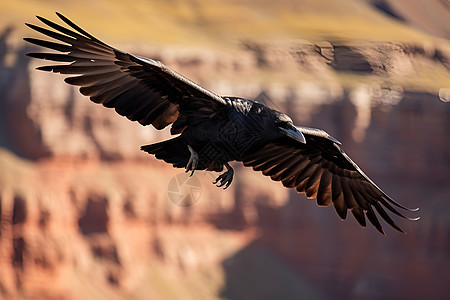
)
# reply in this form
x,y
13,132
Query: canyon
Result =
x,y
86,215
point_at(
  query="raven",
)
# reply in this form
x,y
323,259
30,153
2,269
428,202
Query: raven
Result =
x,y
213,130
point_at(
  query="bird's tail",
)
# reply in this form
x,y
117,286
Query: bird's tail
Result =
x,y
173,151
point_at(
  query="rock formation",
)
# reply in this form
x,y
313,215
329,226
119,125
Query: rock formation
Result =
x,y
85,214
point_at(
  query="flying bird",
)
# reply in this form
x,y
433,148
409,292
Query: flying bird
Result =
x,y
213,130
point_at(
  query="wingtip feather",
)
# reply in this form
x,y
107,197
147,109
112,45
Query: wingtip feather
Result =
x,y
42,19
395,203
45,68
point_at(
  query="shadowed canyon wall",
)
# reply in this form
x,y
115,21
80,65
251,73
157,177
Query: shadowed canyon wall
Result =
x,y
85,214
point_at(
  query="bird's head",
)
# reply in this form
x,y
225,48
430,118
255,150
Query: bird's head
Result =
x,y
287,128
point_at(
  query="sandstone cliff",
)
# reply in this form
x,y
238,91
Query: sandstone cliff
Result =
x,y
85,214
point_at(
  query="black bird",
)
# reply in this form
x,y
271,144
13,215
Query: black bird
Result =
x,y
214,130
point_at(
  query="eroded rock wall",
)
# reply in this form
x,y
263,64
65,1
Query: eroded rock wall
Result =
x,y
87,215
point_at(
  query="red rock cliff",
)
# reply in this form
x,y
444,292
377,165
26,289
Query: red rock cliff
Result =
x,y
85,214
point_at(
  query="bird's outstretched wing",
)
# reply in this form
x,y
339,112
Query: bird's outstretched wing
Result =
x,y
141,89
321,170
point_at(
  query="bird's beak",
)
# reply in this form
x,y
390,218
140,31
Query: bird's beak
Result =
x,y
294,133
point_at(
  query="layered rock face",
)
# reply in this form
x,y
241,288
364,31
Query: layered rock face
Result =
x,y
86,215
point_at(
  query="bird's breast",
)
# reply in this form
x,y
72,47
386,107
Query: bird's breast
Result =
x,y
225,137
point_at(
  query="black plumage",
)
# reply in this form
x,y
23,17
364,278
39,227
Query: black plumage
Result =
x,y
214,130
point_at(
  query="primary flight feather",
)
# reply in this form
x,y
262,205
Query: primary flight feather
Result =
x,y
214,130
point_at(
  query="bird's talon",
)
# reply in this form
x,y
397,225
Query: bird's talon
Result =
x,y
224,180
227,185
193,162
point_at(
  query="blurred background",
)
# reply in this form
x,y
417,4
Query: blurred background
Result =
x,y
86,215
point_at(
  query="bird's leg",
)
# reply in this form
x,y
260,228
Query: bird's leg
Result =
x,y
226,178
193,161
